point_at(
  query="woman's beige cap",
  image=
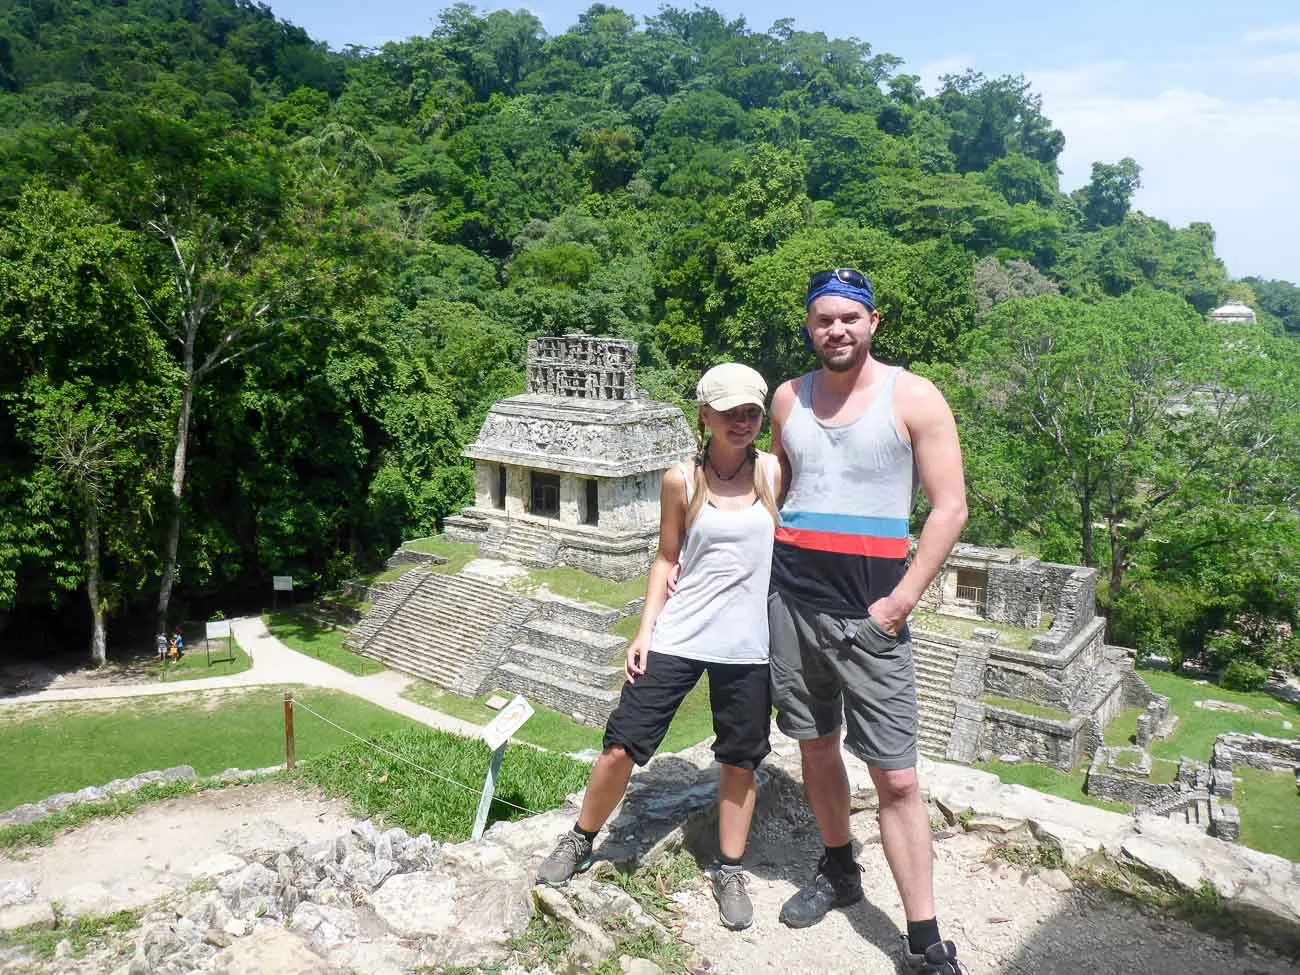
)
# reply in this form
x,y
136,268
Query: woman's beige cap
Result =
x,y
730,385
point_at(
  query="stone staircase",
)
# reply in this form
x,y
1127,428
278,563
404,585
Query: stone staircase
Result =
x,y
935,665
1187,808
529,543
565,665
434,625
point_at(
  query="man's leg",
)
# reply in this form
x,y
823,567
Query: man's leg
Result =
x,y
808,696
905,835
826,784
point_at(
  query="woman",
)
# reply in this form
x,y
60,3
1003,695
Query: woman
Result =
x,y
717,515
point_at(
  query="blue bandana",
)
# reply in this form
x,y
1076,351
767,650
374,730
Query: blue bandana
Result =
x,y
837,287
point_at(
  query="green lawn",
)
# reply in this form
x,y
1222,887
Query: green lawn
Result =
x,y
227,657
627,628
1043,778
298,631
582,586
1270,811
1122,729
69,746
1163,771
550,729
1025,707
1198,727
386,575
443,805
457,554
1015,637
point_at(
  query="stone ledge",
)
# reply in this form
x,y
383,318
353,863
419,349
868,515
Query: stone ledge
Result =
x,y
1260,890
34,812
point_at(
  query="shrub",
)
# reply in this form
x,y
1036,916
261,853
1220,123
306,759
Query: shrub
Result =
x,y
1242,675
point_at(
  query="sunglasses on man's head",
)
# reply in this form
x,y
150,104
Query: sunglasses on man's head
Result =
x,y
845,275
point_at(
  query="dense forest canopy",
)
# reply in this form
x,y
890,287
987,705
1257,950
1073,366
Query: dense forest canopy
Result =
x,y
256,295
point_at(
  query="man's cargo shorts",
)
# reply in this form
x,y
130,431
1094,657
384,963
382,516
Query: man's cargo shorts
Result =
x,y
829,670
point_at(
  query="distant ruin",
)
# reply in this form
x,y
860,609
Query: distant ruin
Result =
x,y
569,472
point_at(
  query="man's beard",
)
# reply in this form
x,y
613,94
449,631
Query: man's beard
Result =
x,y
859,353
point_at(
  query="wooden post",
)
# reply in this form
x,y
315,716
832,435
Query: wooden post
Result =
x,y
489,790
288,730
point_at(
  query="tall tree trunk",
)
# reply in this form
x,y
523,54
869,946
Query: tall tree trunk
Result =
x,y
1085,510
1118,560
98,639
178,488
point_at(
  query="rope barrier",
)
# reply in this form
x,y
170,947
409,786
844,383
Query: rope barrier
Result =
x,y
403,758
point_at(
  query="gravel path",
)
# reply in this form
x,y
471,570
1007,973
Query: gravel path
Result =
x,y
1005,920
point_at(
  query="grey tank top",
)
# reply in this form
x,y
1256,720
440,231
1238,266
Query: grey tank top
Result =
x,y
719,612
843,540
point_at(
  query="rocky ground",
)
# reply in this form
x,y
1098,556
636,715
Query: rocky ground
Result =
x,y
267,879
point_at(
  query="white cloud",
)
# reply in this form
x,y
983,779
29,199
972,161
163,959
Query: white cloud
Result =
x,y
1284,63
1285,34
1203,157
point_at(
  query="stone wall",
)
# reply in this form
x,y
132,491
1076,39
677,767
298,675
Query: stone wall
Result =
x,y
1015,592
1107,781
1059,679
1107,706
1032,738
586,616
630,503
625,559
1076,608
1256,751
33,812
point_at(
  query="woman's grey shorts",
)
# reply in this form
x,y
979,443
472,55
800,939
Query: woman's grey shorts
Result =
x,y
829,670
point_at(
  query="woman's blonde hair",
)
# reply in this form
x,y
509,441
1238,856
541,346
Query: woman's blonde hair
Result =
x,y
700,496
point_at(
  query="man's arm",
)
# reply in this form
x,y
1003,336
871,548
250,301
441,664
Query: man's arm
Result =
x,y
782,402
929,423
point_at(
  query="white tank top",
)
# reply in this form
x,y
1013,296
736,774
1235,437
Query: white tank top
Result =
x,y
719,612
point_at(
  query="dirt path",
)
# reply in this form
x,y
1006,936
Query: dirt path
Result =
x,y
112,864
1005,920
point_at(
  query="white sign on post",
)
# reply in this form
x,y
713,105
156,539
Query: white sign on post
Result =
x,y
282,583
496,733
508,720
217,629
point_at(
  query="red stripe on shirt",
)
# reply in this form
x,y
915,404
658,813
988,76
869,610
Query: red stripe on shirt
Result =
x,y
865,545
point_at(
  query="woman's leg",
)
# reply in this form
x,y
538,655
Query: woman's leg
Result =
x,y
741,700
736,797
605,788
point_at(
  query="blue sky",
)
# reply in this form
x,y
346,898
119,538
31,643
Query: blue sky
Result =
x,y
1204,94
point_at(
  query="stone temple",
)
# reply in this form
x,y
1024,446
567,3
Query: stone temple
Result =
x,y
569,472
1233,311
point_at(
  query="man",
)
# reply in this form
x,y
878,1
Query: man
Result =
x,y
855,436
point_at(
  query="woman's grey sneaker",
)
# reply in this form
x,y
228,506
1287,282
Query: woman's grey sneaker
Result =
x,y
734,908
939,959
832,887
572,855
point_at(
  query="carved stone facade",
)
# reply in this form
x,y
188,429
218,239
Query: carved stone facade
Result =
x,y
569,473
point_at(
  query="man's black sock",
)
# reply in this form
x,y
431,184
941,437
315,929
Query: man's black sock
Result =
x,y
726,861
842,857
590,837
922,934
